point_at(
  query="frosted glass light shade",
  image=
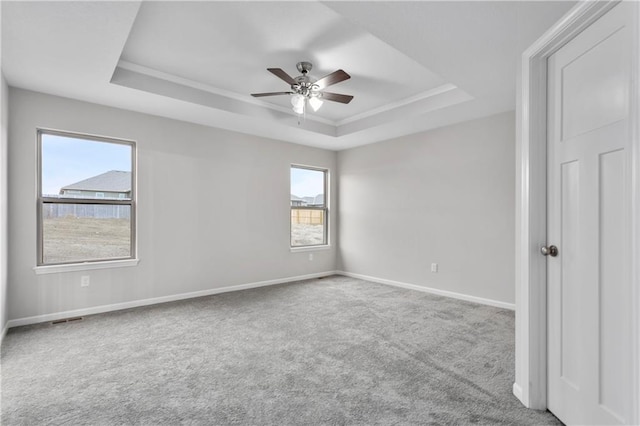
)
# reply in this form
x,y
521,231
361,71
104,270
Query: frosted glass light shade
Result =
x,y
315,103
297,101
299,109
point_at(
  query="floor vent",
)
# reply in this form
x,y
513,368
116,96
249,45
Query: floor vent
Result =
x,y
65,320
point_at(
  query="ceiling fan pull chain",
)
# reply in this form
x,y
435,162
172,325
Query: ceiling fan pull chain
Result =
x,y
304,113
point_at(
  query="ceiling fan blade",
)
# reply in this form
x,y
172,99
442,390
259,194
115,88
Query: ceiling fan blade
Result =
x,y
279,72
336,97
259,95
333,78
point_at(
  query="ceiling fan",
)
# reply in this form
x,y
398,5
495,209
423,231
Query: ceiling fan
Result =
x,y
305,90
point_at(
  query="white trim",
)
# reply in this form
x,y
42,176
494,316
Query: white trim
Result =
x,y
4,333
164,299
517,391
635,215
311,248
155,300
531,337
447,87
87,266
150,72
146,71
445,293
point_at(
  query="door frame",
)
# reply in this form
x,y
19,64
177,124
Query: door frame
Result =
x,y
531,209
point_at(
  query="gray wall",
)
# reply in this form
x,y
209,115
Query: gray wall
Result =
x,y
4,248
445,196
235,188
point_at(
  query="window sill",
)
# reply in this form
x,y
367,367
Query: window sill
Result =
x,y
311,248
72,267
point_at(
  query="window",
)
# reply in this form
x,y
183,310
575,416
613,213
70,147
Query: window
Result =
x,y
76,222
309,213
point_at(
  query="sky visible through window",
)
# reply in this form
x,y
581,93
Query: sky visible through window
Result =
x,y
306,183
69,160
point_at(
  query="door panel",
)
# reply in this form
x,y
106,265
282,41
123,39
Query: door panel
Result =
x,y
588,283
592,95
614,300
570,283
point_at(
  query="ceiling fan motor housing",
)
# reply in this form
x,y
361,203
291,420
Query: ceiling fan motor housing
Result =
x,y
304,86
304,67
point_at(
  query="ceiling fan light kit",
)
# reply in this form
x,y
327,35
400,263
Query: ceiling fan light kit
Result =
x,y
305,91
297,100
315,103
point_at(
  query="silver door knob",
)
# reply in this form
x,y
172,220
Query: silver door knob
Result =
x,y
549,251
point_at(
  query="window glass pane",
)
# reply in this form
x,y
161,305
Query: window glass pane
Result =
x,y
307,187
79,168
81,232
307,227
308,207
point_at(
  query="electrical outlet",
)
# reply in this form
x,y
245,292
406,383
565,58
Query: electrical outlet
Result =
x,y
310,257
434,267
85,280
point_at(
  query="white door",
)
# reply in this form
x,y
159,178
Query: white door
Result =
x,y
588,283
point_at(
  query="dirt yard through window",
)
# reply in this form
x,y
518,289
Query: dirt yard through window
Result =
x,y
68,239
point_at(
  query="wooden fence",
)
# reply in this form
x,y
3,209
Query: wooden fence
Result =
x,y
307,217
97,211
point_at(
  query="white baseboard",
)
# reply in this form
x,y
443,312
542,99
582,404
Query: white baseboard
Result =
x,y
466,297
172,298
155,300
4,332
517,391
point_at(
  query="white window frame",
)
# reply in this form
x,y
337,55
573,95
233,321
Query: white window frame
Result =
x,y
324,208
131,260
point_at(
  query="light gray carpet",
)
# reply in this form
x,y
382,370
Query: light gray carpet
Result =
x,y
334,351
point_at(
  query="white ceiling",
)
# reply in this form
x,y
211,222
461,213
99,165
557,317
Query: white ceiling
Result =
x,y
413,65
